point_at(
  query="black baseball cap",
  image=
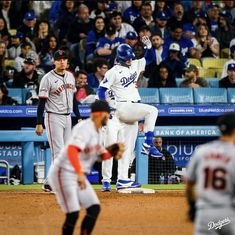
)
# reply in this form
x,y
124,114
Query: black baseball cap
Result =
x,y
226,123
29,60
100,106
60,54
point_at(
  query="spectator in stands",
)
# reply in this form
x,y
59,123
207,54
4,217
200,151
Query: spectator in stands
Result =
x,y
101,6
157,43
28,77
42,31
41,8
8,75
14,49
162,76
4,98
207,45
106,44
83,90
164,166
3,54
100,67
186,45
229,8
195,11
80,27
93,37
9,13
4,34
225,68
145,18
121,28
66,16
225,32
162,6
178,15
192,79
190,33
28,26
132,12
174,60
160,24
26,51
50,45
213,17
229,81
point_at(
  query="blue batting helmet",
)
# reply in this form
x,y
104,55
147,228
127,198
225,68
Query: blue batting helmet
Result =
x,y
124,53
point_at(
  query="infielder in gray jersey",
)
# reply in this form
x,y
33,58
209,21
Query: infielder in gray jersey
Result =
x,y
212,170
56,96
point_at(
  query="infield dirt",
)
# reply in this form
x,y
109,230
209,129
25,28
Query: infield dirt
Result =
x,y
37,213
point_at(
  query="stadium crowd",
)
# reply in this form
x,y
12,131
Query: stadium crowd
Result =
x,y
90,31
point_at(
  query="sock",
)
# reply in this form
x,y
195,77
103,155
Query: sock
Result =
x,y
89,221
69,223
149,137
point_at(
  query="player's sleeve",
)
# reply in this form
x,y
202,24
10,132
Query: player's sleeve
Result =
x,y
44,87
106,83
141,63
192,166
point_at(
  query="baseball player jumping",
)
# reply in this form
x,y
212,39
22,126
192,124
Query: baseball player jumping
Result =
x,y
67,176
211,169
56,95
122,80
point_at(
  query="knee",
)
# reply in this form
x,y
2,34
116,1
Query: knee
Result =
x,y
71,218
93,211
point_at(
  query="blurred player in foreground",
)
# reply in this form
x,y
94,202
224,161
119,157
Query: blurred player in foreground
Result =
x,y
67,176
212,170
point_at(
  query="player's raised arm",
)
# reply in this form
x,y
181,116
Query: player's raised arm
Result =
x,y
149,54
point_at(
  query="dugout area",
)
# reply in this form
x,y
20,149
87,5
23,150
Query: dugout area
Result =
x,y
28,212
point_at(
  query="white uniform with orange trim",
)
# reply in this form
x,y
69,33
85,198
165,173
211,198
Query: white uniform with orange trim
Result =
x,y
59,92
63,178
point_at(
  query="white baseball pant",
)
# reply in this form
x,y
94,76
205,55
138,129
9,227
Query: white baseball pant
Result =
x,y
58,129
68,194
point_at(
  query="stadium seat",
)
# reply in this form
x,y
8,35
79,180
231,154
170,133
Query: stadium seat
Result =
x,y
210,95
176,95
195,62
149,95
225,53
213,82
231,95
18,94
213,67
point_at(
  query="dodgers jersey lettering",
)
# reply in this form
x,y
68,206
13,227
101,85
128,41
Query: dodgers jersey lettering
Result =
x,y
89,141
59,92
122,80
213,167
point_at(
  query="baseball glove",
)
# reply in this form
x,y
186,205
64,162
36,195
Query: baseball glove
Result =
x,y
116,150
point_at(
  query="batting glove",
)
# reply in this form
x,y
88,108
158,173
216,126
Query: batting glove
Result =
x,y
147,42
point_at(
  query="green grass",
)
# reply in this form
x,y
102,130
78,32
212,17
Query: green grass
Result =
x,y
96,186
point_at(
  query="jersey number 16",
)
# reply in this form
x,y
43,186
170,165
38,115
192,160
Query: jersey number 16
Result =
x,y
215,178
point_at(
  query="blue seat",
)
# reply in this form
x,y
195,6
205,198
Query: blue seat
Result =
x,y
210,95
149,95
213,82
231,95
16,94
176,95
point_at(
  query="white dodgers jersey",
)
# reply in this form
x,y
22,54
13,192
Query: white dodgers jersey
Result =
x,y
90,142
122,80
212,166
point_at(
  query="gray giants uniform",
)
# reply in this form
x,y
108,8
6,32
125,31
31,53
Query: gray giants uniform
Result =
x,y
212,167
63,178
59,92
